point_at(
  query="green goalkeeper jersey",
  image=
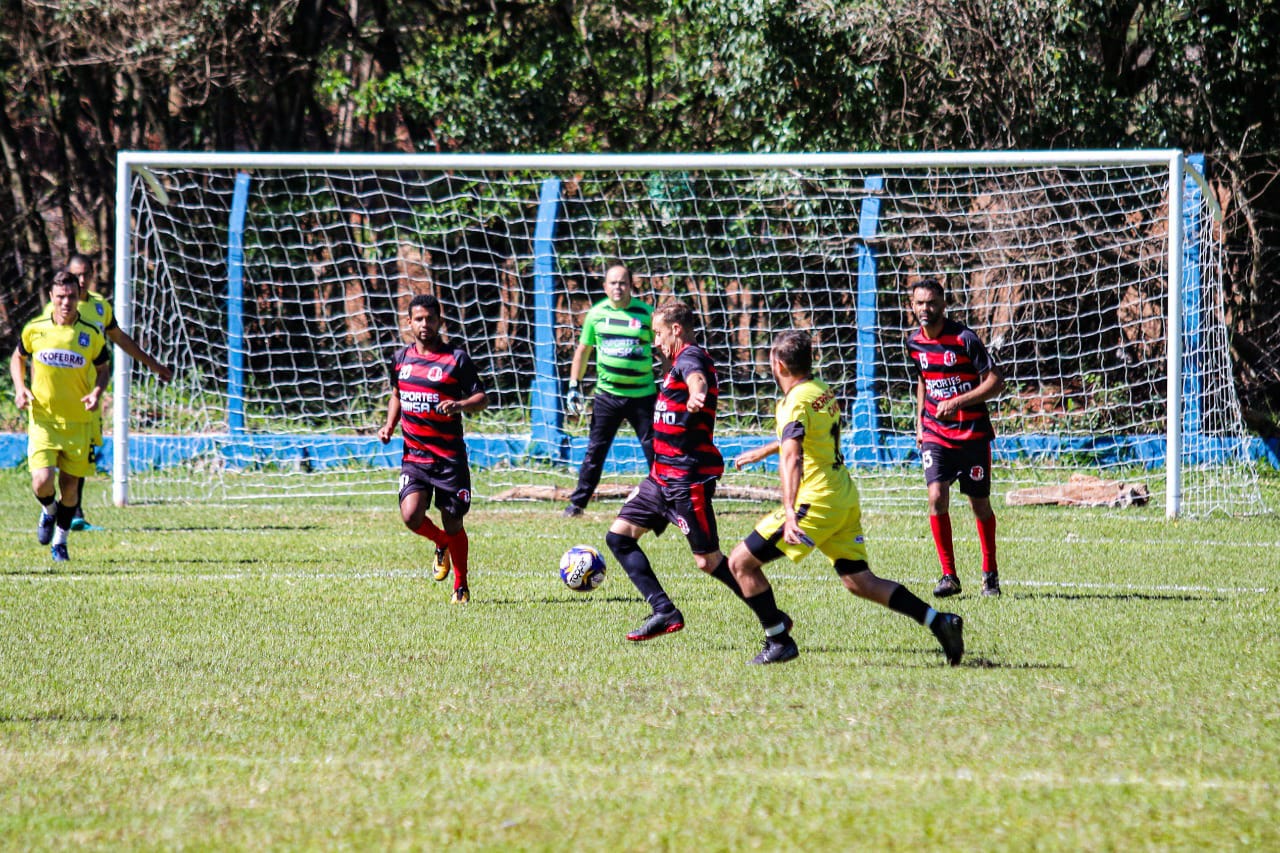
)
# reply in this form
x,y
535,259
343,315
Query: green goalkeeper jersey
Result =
x,y
623,341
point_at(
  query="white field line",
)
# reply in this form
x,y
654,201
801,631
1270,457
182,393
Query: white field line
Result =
x,y
821,576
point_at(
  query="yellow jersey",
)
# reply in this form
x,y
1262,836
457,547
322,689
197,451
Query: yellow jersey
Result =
x,y
64,363
810,412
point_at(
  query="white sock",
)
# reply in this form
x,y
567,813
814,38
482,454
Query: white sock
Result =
x,y
60,535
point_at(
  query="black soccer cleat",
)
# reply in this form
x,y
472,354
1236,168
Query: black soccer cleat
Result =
x,y
572,511
947,586
949,629
44,530
657,625
990,584
779,649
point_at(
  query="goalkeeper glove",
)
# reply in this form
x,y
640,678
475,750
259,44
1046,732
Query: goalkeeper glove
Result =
x,y
574,401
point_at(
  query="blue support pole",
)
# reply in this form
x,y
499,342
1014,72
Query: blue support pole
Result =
x,y
547,438
235,304
865,417
1193,320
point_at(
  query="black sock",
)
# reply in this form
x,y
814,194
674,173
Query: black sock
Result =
x,y
904,601
766,610
80,497
47,503
626,551
64,515
725,576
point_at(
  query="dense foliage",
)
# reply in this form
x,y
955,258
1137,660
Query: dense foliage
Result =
x,y
83,79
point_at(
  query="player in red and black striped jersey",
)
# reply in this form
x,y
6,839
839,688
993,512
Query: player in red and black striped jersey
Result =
x,y
955,379
432,384
682,483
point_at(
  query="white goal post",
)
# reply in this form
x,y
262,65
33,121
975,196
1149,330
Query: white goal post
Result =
x,y
276,284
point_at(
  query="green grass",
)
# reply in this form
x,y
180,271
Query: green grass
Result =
x,y
289,676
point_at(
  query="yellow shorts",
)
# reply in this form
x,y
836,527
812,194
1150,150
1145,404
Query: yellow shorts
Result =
x,y
836,531
61,446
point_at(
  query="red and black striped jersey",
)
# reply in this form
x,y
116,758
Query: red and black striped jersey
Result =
x,y
950,364
422,382
683,448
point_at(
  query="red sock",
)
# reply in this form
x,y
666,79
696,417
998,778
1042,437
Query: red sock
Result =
x,y
428,529
941,526
458,546
987,538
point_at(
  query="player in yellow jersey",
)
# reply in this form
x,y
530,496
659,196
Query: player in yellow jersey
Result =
x,y
820,506
95,309
70,367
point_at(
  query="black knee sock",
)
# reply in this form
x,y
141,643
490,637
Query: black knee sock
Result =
x,y
766,610
64,515
725,576
626,551
904,601
47,503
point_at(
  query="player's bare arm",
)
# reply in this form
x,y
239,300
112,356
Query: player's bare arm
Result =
x,y
919,412
791,469
94,396
750,457
697,383
125,341
992,384
393,419
477,402
22,395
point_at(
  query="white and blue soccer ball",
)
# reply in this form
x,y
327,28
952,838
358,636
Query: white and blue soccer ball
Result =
x,y
582,568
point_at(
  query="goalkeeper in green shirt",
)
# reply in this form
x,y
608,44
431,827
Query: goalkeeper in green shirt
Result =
x,y
619,329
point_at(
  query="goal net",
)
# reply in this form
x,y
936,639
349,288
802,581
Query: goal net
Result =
x,y
278,285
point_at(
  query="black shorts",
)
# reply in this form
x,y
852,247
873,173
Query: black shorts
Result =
x,y
447,484
686,505
970,463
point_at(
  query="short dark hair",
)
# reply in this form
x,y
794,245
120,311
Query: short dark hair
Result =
x,y
82,258
676,311
795,351
931,284
425,300
65,279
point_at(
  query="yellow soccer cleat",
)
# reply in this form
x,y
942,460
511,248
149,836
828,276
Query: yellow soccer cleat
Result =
x,y
461,595
443,564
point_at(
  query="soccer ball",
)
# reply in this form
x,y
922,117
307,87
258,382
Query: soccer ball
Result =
x,y
582,568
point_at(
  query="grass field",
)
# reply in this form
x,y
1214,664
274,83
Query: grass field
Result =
x,y
290,676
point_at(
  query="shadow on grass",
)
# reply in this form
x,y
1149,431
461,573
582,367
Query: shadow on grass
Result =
x,y
126,567
874,656
576,601
1121,596
203,528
